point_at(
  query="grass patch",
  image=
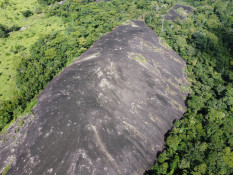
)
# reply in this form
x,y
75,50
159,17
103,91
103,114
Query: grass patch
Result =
x,y
30,106
6,169
181,11
19,42
21,122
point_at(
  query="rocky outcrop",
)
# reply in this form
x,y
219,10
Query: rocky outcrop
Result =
x,y
179,11
106,113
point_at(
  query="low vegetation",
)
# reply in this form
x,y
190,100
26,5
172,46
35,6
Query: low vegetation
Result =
x,y
200,143
20,33
6,169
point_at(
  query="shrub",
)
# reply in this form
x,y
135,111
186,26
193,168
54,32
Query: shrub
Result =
x,y
27,13
4,31
14,28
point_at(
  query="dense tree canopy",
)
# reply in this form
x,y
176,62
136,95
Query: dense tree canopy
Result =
x,y
201,143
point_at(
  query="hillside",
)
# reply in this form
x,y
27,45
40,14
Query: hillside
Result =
x,y
107,112
38,39
18,43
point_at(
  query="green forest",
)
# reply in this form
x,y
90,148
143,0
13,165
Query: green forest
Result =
x,y
48,36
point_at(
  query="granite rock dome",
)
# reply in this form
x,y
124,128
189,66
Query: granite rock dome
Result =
x,y
106,113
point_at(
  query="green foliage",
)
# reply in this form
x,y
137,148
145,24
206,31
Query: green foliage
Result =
x,y
173,141
6,169
201,142
227,156
4,31
19,42
4,3
21,122
14,28
47,57
27,13
30,106
47,2
10,109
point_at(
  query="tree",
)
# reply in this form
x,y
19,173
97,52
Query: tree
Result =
x,y
27,13
4,31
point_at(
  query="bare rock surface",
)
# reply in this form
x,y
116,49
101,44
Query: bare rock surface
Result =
x,y
173,14
106,113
